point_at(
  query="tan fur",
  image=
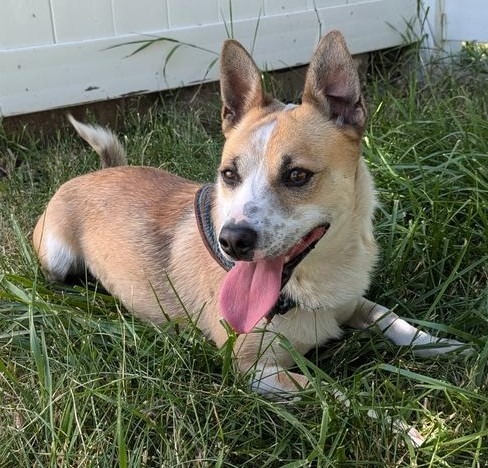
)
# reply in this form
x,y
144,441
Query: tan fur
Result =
x,y
134,228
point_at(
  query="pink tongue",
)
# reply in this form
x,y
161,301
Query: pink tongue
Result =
x,y
249,291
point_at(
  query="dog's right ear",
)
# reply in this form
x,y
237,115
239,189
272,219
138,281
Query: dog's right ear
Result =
x,y
241,87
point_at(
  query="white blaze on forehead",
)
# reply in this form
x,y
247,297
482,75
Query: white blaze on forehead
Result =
x,y
252,169
262,135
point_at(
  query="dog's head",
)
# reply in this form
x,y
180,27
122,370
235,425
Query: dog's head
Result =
x,y
287,172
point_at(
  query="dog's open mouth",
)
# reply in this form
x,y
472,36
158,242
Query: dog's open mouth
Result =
x,y
251,289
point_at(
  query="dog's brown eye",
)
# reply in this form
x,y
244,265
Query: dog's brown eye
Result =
x,y
230,176
297,177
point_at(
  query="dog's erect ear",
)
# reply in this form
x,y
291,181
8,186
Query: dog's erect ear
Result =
x,y
332,83
241,87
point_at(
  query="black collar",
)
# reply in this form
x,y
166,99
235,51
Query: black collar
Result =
x,y
203,203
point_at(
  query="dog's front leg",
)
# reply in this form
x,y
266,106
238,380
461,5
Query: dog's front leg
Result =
x,y
260,356
275,382
401,333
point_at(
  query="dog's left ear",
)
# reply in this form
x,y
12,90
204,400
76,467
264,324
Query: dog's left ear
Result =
x,y
332,83
241,87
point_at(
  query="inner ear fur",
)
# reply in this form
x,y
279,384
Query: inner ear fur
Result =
x,y
241,86
332,83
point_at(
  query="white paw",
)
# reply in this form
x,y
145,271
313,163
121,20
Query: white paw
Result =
x,y
432,346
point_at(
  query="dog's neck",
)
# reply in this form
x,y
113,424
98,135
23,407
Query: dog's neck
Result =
x,y
203,203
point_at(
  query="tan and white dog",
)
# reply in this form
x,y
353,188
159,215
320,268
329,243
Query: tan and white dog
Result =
x,y
291,179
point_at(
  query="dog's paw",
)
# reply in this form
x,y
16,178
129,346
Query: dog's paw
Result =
x,y
431,346
278,384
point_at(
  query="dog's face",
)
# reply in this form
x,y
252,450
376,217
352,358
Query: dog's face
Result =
x,y
287,172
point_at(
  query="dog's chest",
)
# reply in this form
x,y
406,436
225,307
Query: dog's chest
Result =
x,y
306,329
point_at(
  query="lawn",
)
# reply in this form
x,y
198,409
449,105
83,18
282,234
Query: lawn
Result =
x,y
84,384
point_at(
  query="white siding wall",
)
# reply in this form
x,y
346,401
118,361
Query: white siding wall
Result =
x,y
450,22
56,53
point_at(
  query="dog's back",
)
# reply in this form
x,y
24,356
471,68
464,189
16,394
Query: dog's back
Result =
x,y
108,220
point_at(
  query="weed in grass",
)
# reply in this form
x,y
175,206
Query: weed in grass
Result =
x,y
83,384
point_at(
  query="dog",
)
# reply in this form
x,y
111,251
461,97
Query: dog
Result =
x,y
281,245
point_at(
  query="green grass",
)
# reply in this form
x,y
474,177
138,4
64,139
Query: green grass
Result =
x,y
83,384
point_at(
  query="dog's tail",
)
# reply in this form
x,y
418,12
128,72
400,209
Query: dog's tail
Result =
x,y
103,141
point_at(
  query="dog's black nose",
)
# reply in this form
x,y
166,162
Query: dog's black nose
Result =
x,y
238,241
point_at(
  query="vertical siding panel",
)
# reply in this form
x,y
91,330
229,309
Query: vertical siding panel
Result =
x,y
466,20
82,20
140,16
183,13
24,23
241,10
279,7
329,3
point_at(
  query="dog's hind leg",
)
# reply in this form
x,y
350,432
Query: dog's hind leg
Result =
x,y
400,332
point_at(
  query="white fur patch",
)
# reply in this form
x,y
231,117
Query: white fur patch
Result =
x,y
263,134
60,258
290,106
255,184
251,191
